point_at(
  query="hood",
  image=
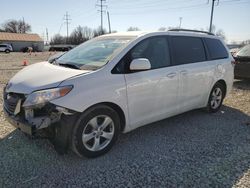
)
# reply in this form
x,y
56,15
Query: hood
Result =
x,y
40,76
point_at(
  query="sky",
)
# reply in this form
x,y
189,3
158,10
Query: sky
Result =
x,y
232,16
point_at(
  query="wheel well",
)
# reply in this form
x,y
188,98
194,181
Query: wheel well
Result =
x,y
118,110
223,83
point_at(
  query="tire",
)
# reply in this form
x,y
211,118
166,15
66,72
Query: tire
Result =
x,y
7,51
216,98
88,135
59,134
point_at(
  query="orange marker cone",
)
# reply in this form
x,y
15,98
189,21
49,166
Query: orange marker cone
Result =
x,y
25,63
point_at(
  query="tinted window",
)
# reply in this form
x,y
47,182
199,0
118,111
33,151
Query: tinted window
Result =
x,y
187,50
2,46
216,49
154,49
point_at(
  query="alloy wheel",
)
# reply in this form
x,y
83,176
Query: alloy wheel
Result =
x,y
98,133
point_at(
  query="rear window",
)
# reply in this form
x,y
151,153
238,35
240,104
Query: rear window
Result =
x,y
216,49
187,50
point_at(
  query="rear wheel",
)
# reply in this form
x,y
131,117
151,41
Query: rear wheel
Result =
x,y
216,98
7,51
96,131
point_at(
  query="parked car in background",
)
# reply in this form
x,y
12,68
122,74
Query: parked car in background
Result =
x,y
7,48
242,67
116,83
61,47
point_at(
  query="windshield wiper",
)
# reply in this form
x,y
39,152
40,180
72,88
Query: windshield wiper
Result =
x,y
73,66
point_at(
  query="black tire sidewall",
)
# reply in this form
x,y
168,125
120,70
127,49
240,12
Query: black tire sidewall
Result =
x,y
77,143
222,88
7,51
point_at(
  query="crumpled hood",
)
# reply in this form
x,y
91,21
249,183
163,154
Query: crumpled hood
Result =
x,y
40,76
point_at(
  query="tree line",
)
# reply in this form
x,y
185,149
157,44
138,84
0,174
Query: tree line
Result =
x,y
79,35
15,26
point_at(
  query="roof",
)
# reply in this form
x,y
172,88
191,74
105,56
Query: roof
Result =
x,y
20,37
126,34
155,33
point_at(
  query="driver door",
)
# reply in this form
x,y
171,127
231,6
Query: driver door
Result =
x,y
151,94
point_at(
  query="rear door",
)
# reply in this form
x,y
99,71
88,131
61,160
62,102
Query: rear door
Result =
x,y
152,94
190,57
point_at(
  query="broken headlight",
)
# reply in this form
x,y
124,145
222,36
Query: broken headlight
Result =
x,y
39,98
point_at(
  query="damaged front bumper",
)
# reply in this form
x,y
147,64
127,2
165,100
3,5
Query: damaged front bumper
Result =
x,y
31,120
18,123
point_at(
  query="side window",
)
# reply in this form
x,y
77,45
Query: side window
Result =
x,y
154,49
216,49
2,46
187,50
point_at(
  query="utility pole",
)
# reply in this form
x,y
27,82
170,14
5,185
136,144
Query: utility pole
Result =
x,y
109,22
180,22
212,14
67,19
24,29
47,36
101,11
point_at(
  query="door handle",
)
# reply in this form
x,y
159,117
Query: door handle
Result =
x,y
171,75
184,72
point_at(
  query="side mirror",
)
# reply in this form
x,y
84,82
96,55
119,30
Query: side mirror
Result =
x,y
140,64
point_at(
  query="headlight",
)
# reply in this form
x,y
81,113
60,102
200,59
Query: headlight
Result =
x,y
39,98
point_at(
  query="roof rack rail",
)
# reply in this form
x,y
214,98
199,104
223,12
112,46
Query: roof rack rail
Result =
x,y
191,30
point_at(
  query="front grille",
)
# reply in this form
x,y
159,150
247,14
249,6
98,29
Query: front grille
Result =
x,y
11,100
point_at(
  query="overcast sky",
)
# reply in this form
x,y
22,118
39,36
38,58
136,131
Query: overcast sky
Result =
x,y
230,15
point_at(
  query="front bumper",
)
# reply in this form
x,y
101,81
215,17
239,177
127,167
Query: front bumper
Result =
x,y
20,124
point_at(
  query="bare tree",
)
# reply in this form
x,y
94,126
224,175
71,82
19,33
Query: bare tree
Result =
x,y
88,33
58,39
245,42
162,29
80,35
133,29
77,37
218,32
16,26
97,32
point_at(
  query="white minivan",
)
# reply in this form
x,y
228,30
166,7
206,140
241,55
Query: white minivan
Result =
x,y
116,83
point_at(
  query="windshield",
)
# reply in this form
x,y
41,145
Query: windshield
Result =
x,y
244,52
93,54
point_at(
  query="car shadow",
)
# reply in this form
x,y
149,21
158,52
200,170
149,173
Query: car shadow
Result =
x,y
194,149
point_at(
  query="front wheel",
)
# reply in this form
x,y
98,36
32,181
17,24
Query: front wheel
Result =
x,y
96,131
216,98
7,51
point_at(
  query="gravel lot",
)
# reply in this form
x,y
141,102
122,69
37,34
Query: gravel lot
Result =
x,y
194,149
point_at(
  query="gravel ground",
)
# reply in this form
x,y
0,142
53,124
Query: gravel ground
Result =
x,y
194,149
